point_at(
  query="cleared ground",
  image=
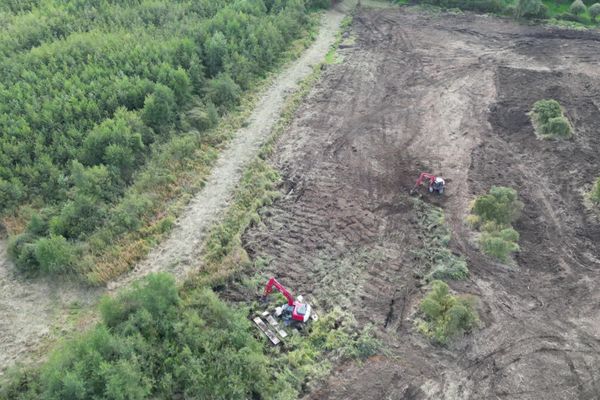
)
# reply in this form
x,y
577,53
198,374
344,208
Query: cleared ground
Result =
x,y
447,94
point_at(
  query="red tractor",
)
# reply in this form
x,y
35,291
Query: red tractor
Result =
x,y
436,184
295,310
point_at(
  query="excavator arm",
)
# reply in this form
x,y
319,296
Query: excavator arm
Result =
x,y
422,178
425,177
273,283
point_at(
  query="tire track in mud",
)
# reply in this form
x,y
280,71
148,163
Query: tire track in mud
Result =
x,y
434,92
31,310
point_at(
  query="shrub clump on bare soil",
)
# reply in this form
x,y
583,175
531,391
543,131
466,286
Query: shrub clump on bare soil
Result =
x,y
499,242
549,120
595,193
446,316
492,214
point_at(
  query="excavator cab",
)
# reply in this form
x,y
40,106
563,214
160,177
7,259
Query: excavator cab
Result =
x,y
301,312
437,185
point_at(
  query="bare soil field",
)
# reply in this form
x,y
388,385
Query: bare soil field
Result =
x,y
448,94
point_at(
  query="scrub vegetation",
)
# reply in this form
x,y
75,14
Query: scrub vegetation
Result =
x,y
108,112
549,120
446,316
577,13
493,214
157,341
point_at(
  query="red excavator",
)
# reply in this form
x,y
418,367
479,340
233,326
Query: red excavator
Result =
x,y
436,183
295,310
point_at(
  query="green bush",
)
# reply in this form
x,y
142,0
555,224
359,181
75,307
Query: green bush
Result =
x,y
446,316
96,182
11,193
78,218
549,120
567,16
159,109
22,250
558,127
449,268
38,225
544,110
500,244
577,7
483,6
493,213
500,205
55,255
129,214
157,295
531,9
178,81
594,11
595,192
203,117
215,50
223,91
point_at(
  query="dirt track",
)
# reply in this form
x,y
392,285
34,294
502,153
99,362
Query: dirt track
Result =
x,y
449,94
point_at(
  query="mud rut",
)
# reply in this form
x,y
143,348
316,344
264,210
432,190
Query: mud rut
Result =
x,y
446,93
30,311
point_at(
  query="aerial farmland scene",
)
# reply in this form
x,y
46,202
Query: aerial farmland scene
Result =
x,y
300,199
